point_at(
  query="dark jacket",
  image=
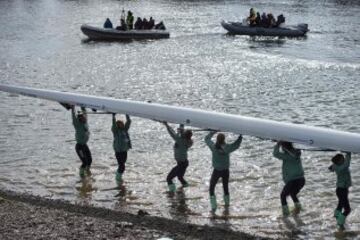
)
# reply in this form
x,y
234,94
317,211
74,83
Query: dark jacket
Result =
x,y
108,23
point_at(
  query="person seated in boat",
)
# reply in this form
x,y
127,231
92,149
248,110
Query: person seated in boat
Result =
x,y
160,26
252,18
280,20
138,24
271,21
108,23
130,20
145,24
123,26
151,23
264,20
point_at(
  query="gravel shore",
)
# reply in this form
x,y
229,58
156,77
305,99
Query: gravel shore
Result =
x,y
26,216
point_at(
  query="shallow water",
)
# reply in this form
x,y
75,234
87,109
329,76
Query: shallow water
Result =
x,y
310,80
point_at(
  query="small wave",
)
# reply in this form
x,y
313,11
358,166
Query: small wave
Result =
x,y
314,64
328,32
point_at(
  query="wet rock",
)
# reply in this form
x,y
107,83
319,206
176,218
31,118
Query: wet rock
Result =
x,y
124,225
70,224
27,217
89,224
142,213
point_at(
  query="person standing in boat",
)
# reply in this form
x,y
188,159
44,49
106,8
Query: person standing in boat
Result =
x,y
121,144
221,164
258,19
182,144
130,20
122,16
292,173
252,18
82,137
341,167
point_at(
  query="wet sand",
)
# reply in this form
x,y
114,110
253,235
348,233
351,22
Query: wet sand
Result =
x,y
26,216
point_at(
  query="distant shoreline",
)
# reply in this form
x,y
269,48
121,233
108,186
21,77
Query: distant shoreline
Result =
x,y
136,226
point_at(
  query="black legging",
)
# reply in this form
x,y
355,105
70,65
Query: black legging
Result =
x,y
292,188
121,159
342,194
216,174
84,154
178,171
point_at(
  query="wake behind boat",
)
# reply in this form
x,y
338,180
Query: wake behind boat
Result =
x,y
238,28
96,33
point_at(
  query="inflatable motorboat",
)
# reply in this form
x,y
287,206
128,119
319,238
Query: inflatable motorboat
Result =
x,y
238,28
96,33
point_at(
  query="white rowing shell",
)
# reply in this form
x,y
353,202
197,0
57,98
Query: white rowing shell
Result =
x,y
298,133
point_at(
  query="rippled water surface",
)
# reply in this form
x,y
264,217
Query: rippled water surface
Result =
x,y
312,80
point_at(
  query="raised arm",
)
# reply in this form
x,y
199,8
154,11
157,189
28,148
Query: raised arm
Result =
x,y
128,122
348,157
208,140
235,145
170,131
74,118
277,153
113,127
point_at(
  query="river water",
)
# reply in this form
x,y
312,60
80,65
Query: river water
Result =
x,y
312,80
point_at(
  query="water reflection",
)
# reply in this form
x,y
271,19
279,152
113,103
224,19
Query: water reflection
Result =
x,y
222,220
91,41
179,209
85,189
342,235
121,196
261,42
293,228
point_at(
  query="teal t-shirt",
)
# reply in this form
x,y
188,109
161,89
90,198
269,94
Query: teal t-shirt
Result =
x,y
181,145
343,173
121,141
221,155
82,133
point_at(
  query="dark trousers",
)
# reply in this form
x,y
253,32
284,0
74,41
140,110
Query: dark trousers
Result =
x,y
121,158
84,154
342,194
216,174
292,188
179,172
